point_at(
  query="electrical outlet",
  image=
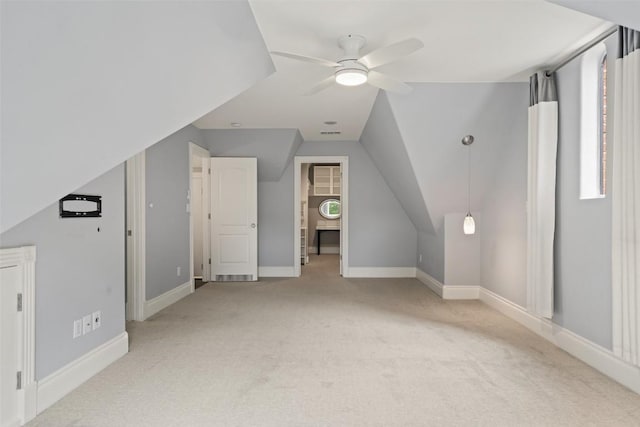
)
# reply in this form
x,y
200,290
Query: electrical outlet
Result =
x,y
179,271
87,324
77,328
97,319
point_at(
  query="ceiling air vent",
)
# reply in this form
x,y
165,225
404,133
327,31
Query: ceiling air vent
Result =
x,y
330,132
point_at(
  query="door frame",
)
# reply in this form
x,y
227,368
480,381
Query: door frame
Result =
x,y
344,202
24,258
136,237
202,153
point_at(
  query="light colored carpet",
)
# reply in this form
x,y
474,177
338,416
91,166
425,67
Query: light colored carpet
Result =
x,y
327,351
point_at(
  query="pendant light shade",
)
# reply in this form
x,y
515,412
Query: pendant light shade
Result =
x,y
469,224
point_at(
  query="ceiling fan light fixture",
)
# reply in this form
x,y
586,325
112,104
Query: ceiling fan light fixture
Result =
x,y
351,77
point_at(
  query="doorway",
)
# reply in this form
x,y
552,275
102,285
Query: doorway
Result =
x,y
17,336
199,224
321,181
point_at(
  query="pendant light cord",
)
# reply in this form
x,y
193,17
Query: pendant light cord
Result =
x,y
469,180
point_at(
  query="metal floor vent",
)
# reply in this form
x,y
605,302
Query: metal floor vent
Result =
x,y
234,278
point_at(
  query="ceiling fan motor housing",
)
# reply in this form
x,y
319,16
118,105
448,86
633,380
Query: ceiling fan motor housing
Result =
x,y
351,44
351,72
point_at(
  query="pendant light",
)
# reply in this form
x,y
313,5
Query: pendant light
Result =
x,y
469,224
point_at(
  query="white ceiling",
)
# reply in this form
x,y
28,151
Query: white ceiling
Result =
x,y
465,41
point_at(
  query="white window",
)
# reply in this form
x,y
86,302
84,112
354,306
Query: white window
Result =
x,y
593,124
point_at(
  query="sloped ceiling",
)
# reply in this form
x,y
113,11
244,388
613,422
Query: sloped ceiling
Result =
x,y
465,41
624,12
383,141
86,85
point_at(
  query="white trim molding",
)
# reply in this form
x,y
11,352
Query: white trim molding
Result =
x,y
592,354
60,383
447,291
163,301
381,272
24,258
269,271
202,153
431,282
461,292
136,236
344,198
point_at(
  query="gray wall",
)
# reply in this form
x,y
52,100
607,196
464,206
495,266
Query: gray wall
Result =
x,y
383,141
167,222
274,148
432,121
275,221
78,270
503,225
380,232
583,227
415,141
431,246
130,73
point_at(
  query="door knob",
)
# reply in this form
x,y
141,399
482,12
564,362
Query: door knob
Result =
x,y
253,225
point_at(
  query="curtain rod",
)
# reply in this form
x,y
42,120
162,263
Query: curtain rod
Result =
x,y
583,49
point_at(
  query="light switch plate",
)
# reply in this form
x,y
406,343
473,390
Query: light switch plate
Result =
x,y
87,324
77,328
97,319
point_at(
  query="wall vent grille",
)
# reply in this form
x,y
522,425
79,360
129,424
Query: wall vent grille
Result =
x,y
330,132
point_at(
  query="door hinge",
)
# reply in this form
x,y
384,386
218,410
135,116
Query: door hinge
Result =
x,y
129,233
209,216
19,302
209,260
209,171
201,266
19,380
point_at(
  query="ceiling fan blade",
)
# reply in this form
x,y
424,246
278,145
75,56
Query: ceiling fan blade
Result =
x,y
311,59
385,82
390,53
322,85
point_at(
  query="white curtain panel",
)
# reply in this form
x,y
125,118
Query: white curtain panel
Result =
x,y
541,193
626,199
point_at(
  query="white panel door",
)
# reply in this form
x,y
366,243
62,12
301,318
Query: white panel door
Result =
x,y
234,218
9,345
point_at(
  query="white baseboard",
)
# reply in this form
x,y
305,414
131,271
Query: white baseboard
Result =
x,y
268,271
433,283
590,353
382,272
160,302
447,291
66,379
460,292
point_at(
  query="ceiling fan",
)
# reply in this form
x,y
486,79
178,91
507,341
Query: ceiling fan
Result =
x,y
354,70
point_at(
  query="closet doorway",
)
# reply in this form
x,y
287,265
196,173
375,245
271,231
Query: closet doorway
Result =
x,y
321,210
